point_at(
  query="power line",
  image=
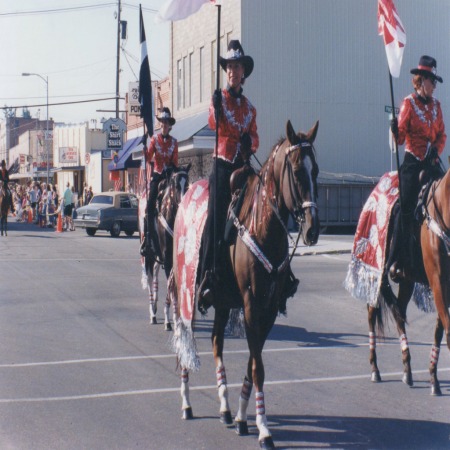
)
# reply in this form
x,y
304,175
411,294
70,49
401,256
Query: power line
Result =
x,y
61,103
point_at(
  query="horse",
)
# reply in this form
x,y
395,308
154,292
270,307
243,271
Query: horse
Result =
x,y
169,197
4,209
255,267
432,269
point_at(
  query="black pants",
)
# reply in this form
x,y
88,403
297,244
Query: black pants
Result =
x,y
219,200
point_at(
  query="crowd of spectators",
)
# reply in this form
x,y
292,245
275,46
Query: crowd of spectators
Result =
x,y
41,203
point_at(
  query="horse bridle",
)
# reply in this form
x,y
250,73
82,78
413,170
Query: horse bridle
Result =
x,y
300,205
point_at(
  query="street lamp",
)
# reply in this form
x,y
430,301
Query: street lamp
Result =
x,y
46,133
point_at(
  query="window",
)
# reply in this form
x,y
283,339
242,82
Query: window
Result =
x,y
125,202
201,65
190,80
184,82
179,84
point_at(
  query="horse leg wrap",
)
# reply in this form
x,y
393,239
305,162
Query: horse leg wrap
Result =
x,y
185,389
261,419
372,341
434,356
260,405
222,388
221,375
246,391
404,342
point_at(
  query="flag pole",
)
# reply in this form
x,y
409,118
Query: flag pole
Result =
x,y
144,139
397,158
217,114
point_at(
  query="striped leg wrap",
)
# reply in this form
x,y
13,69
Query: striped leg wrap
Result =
x,y
372,341
184,376
434,355
260,406
404,342
221,376
246,389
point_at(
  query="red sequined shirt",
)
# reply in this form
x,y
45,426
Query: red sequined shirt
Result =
x,y
164,151
421,125
238,116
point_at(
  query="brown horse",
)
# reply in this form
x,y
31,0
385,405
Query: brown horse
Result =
x,y
434,253
4,209
435,242
257,261
171,193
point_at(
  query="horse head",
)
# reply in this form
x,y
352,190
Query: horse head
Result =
x,y
179,182
296,170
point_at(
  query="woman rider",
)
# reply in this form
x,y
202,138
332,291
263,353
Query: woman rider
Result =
x,y
163,151
420,126
4,176
238,140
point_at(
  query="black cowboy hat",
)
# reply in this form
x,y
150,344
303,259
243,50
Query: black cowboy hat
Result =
x,y
165,114
235,52
427,67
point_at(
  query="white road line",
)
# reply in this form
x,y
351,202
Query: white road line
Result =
x,y
200,388
172,355
67,259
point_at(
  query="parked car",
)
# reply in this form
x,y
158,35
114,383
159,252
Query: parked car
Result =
x,y
110,211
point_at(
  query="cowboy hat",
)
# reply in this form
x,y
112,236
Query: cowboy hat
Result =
x,y
166,115
235,53
427,67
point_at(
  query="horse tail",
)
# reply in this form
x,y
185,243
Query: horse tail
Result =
x,y
388,304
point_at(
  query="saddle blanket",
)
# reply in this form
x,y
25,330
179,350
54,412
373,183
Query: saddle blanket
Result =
x,y
363,279
364,276
189,225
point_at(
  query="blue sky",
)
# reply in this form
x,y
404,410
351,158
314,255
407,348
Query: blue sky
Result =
x,y
76,49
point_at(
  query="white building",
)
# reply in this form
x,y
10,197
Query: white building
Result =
x,y
314,60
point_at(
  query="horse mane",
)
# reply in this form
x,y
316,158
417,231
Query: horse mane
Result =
x,y
252,183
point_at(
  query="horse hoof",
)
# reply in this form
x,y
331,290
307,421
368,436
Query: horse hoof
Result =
x,y
187,414
267,443
168,326
153,321
376,378
436,390
407,379
225,417
241,427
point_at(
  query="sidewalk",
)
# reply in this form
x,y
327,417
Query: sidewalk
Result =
x,y
328,244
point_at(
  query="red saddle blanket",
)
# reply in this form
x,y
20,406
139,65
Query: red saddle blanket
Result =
x,y
188,230
364,274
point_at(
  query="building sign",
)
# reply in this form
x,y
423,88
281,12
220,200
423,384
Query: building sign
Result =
x,y
114,129
134,107
68,155
22,159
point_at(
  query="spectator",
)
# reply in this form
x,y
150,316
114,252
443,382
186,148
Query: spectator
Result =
x,y
89,195
67,206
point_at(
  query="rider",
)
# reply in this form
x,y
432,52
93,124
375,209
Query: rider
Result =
x,y
4,176
163,151
238,140
421,127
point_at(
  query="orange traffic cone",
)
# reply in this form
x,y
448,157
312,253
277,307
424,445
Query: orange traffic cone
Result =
x,y
30,216
59,227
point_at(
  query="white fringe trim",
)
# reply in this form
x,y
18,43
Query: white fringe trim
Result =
x,y
184,346
236,323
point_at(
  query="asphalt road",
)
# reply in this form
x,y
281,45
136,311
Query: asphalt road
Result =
x,y
81,368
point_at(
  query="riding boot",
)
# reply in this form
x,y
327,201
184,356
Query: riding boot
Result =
x,y
289,289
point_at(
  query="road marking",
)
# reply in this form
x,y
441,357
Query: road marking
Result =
x,y
201,388
73,259
209,353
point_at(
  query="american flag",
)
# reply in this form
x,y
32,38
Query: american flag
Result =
x,y
142,192
118,184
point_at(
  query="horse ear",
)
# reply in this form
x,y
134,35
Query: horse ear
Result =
x,y
312,133
290,133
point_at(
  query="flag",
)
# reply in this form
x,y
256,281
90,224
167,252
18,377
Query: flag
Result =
x,y
145,81
180,9
391,28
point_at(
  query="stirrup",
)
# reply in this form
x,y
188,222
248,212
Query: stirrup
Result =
x,y
396,272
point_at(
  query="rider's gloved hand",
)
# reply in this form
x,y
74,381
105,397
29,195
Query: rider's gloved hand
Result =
x,y
246,146
433,155
394,127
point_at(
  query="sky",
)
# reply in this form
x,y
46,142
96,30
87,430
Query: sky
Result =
x,y
74,44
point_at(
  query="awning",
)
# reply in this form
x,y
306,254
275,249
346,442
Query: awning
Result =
x,y
15,166
185,128
125,160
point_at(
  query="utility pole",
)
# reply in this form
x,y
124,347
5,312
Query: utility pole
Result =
x,y
118,59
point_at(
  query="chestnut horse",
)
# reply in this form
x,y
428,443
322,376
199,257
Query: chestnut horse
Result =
x,y
170,195
256,263
434,253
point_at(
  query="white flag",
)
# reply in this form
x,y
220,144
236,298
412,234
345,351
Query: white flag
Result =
x,y
391,28
179,9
